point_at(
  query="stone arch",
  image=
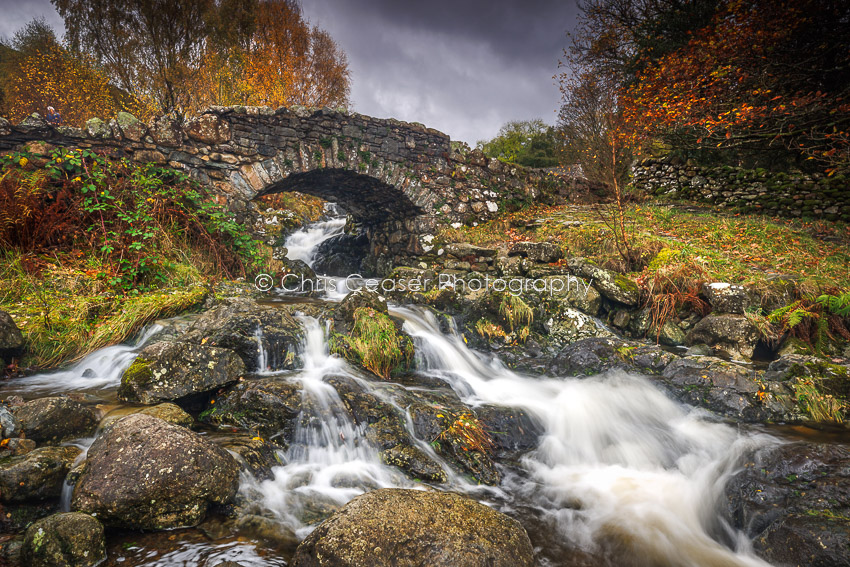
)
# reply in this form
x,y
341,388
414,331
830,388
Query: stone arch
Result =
x,y
369,200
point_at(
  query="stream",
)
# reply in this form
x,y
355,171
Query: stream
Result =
x,y
621,471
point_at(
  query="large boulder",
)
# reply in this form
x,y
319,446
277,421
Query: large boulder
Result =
x,y
407,528
56,419
612,285
591,356
729,389
166,371
11,339
144,473
793,501
733,334
64,540
36,475
249,329
266,406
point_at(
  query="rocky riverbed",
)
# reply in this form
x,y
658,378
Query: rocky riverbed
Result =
x,y
271,431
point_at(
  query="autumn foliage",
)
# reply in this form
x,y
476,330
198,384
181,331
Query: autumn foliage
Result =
x,y
184,56
40,72
763,82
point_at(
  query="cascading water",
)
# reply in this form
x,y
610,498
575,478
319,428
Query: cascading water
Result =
x,y
303,244
621,469
329,461
100,370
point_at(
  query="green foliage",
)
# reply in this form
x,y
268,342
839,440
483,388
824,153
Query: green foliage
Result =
x,y
836,304
375,344
133,216
530,143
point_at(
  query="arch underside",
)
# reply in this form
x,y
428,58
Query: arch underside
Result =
x,y
369,200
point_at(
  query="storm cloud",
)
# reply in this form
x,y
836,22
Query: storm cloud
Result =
x,y
461,66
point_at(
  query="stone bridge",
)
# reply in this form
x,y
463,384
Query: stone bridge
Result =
x,y
399,180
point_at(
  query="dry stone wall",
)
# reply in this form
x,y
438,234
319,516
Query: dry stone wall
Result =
x,y
747,190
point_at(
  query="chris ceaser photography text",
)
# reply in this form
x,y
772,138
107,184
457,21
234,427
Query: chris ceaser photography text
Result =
x,y
294,283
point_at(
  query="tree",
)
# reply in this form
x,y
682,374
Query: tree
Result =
x,y
765,77
530,143
152,48
761,82
190,54
39,72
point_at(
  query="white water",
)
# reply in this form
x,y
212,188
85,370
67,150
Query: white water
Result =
x,y
303,244
329,461
620,465
100,370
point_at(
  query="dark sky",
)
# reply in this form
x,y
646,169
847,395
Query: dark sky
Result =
x,y
462,66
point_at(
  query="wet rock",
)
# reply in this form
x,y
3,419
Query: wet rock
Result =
x,y
342,255
572,325
16,447
386,431
612,285
56,419
243,326
436,420
36,475
144,473
266,406
513,431
361,298
267,530
64,540
401,528
11,339
728,298
166,371
255,455
544,252
793,501
726,388
9,424
170,413
592,356
733,334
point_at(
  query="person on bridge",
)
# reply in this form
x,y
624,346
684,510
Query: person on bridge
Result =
x,y
53,117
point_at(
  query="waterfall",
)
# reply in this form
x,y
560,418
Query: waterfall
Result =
x,y
329,461
304,243
99,370
620,465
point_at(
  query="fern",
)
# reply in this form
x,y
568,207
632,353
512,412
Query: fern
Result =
x,y
791,315
836,304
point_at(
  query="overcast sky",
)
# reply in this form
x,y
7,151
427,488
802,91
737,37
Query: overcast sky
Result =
x,y
461,66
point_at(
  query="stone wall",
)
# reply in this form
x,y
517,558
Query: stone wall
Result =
x,y
747,190
401,181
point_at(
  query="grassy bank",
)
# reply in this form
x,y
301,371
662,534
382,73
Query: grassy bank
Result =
x,y
714,246
92,249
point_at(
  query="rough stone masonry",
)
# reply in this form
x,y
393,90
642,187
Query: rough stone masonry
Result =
x,y
401,181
